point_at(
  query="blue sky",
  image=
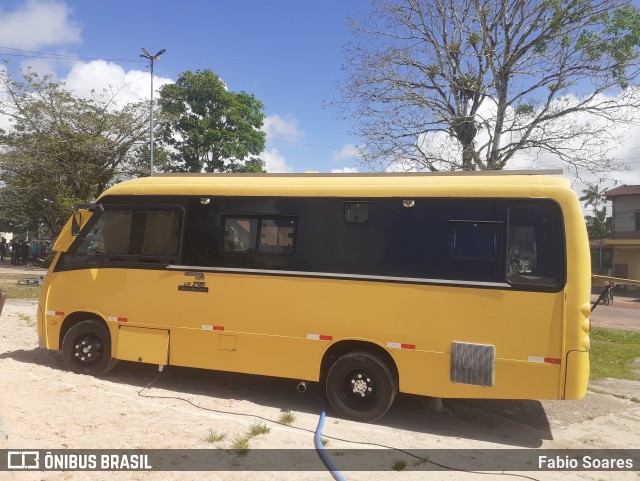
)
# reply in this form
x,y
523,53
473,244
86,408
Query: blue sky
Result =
x,y
287,53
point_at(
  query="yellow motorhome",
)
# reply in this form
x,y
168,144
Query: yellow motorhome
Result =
x,y
450,285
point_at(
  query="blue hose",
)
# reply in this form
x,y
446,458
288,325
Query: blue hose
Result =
x,y
317,441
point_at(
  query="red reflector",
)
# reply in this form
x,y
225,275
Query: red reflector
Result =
x,y
325,338
218,328
552,360
407,346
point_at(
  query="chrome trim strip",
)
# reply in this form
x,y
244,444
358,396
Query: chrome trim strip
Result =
x,y
337,275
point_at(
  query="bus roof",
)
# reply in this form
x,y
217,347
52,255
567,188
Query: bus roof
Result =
x,y
436,184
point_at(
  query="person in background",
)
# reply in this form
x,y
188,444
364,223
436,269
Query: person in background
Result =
x,y
14,251
3,248
24,252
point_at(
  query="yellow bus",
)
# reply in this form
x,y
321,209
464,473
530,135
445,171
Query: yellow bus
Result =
x,y
471,285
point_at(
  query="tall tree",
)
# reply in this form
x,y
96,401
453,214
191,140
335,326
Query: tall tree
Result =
x,y
469,84
62,149
207,127
593,196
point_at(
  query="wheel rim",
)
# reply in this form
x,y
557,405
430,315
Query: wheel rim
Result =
x,y
359,389
87,349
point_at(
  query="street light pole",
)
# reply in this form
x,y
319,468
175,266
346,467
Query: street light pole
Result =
x,y
152,59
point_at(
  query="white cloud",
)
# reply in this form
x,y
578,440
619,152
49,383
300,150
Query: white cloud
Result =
x,y
36,24
345,170
132,85
282,128
275,162
347,152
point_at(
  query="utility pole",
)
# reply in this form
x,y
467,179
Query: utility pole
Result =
x,y
152,59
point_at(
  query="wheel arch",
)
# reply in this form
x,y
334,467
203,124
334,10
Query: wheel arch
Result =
x,y
77,317
341,348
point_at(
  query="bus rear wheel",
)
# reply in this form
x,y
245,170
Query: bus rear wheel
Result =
x,y
361,387
86,348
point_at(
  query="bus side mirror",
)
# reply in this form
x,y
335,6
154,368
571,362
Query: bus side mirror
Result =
x,y
75,224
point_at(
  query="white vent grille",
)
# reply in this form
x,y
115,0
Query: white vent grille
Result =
x,y
472,363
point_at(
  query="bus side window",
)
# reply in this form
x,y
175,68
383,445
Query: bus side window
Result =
x,y
259,235
535,251
474,240
129,235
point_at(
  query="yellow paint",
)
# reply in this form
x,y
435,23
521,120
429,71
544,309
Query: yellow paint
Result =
x,y
265,320
143,345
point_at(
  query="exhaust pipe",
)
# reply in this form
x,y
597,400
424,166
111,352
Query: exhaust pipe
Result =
x,y
302,386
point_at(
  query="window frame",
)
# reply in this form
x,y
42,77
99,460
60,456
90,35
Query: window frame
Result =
x,y
259,218
561,282
125,259
497,238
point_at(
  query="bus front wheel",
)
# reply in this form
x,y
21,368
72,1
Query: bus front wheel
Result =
x,y
86,348
361,387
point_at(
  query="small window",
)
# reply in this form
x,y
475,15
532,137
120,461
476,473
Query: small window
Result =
x,y
357,212
240,235
475,240
259,235
638,220
276,236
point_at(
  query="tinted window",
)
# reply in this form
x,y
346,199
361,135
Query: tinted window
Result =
x,y
475,240
535,253
130,235
259,235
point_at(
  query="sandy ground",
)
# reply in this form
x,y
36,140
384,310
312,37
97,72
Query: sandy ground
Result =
x,y
42,406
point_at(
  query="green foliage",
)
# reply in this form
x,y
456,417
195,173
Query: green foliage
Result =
x,y
258,428
399,465
209,128
9,284
61,149
215,436
612,352
287,418
598,225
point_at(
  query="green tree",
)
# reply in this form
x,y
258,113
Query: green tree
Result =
x,y
599,228
62,149
468,84
208,128
593,196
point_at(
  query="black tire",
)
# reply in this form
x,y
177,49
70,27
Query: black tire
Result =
x,y
86,348
361,387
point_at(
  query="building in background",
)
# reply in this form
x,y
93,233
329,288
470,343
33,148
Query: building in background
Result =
x,y
625,240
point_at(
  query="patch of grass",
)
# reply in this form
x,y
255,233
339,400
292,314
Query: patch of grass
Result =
x,y
619,396
420,461
324,442
399,465
258,428
612,352
241,445
287,418
9,284
215,436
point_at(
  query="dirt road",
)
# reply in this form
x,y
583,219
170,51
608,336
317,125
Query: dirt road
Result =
x,y
43,406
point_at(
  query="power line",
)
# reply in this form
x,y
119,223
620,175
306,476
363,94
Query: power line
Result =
x,y
56,56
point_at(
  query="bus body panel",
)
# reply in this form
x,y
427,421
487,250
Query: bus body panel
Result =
x,y
283,323
278,332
